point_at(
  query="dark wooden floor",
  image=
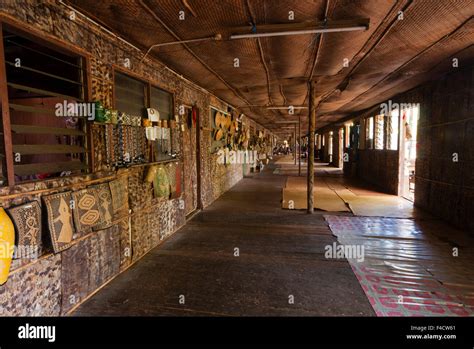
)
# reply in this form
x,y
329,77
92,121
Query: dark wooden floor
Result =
x,y
281,254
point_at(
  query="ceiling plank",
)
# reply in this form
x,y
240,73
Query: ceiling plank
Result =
x,y
262,56
441,42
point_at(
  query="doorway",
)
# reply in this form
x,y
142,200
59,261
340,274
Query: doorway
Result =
x,y
408,127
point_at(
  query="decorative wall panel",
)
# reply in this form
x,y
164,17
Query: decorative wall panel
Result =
x,y
104,257
88,264
28,226
60,222
141,235
140,191
86,211
154,226
125,252
105,205
99,145
119,194
75,274
161,183
35,290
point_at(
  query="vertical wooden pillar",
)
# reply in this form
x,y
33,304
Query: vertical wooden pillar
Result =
x,y
7,133
294,144
299,138
311,130
200,206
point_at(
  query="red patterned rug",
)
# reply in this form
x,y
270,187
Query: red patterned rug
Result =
x,y
410,268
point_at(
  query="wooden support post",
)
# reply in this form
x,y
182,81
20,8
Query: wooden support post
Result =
x,y
299,138
294,145
311,130
200,205
7,133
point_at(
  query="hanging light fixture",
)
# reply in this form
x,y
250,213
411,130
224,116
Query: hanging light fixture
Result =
x,y
297,32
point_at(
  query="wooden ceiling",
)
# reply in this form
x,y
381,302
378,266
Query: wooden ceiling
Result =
x,y
394,55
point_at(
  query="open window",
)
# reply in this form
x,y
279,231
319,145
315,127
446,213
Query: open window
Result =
x,y
47,116
392,130
369,133
153,142
162,101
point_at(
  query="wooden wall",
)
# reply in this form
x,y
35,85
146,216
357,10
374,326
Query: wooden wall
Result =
x,y
443,187
380,168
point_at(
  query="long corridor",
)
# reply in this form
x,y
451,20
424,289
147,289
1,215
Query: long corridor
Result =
x,y
300,166
243,255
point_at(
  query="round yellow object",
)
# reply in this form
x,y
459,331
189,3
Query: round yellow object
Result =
x,y
218,135
7,244
219,120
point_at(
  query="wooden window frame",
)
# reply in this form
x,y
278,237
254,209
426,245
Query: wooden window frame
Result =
x,y
148,85
173,106
46,40
117,69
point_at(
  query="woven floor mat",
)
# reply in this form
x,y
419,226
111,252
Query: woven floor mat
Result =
x,y
409,267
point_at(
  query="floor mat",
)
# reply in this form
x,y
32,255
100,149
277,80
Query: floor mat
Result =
x,y
324,199
294,196
410,268
381,205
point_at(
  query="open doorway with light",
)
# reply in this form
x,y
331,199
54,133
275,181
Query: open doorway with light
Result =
x,y
408,127
340,148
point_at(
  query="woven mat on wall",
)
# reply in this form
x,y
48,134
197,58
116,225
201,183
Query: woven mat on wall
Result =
x,y
119,193
140,191
125,242
60,222
27,221
105,205
161,183
167,218
154,227
179,214
34,290
76,272
104,257
88,264
141,236
171,170
100,154
86,210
